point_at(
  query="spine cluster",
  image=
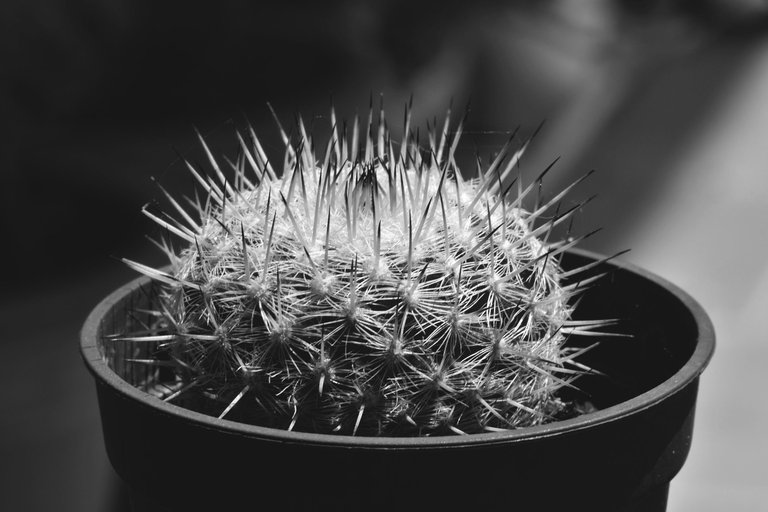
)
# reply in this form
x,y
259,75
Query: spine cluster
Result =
x,y
367,288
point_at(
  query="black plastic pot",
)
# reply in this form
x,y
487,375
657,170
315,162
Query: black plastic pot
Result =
x,y
620,458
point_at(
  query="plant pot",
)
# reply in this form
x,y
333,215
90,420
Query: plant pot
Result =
x,y
618,458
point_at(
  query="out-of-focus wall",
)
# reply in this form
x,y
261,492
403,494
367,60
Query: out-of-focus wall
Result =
x,y
98,96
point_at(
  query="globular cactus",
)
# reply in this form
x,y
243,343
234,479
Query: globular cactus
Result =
x,y
367,289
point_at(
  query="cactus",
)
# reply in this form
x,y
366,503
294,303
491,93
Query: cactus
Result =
x,y
367,289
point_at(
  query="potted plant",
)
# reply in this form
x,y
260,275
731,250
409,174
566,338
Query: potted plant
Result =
x,y
367,329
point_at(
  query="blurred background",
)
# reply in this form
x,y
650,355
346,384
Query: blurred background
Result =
x,y
666,99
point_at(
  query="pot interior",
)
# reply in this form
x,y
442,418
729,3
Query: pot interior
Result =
x,y
658,331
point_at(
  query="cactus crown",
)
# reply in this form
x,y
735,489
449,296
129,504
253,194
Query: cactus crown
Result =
x,y
368,288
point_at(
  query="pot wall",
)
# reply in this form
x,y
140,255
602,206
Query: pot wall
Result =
x,y
184,465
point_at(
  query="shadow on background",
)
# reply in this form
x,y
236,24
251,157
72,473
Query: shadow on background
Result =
x,y
97,97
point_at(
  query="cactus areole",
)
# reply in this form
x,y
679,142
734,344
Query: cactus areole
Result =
x,y
366,315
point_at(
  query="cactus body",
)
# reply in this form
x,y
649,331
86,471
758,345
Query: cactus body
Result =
x,y
368,289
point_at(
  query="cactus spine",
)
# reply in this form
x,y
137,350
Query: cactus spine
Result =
x,y
368,289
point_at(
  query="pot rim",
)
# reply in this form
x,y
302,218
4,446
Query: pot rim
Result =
x,y
689,372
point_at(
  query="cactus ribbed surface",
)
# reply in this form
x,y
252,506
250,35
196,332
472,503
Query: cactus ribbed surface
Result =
x,y
367,288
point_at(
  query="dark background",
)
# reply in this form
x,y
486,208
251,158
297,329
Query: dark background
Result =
x,y
665,99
